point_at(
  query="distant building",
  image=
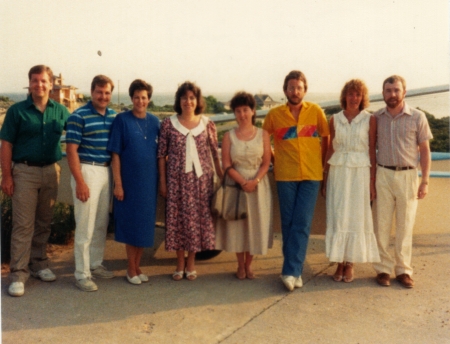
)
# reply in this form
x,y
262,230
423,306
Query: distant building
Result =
x,y
64,94
265,102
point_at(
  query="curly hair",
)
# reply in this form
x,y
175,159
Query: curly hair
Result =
x,y
140,85
182,90
358,86
244,99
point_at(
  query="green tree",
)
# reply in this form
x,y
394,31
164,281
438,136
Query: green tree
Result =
x,y
440,130
156,108
213,105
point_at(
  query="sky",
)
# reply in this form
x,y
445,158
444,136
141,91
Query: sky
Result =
x,y
226,46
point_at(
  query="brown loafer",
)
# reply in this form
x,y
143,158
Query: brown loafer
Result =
x,y
384,279
405,280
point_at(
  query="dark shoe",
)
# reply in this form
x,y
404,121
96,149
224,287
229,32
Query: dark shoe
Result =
x,y
405,280
384,279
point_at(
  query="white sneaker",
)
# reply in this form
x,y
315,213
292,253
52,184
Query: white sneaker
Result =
x,y
45,275
16,289
298,282
86,284
289,281
102,272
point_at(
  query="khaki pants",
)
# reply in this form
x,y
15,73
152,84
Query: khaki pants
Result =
x,y
396,194
35,192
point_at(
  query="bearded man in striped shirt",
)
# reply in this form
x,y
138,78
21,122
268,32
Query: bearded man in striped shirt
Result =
x,y
403,141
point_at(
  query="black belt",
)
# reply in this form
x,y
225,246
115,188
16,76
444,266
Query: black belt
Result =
x,y
105,164
397,168
34,164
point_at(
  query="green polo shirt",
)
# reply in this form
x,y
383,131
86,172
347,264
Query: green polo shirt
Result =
x,y
35,135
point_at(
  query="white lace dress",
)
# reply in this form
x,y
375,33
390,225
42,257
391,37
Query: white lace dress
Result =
x,y
349,235
253,234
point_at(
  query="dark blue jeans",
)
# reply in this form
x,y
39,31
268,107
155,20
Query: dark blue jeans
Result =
x,y
297,203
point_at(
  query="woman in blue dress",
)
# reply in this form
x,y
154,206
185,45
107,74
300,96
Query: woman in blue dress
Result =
x,y
134,143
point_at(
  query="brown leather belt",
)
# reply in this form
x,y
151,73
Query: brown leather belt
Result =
x,y
397,168
34,164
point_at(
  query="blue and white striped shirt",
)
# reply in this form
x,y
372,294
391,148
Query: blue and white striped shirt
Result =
x,y
90,131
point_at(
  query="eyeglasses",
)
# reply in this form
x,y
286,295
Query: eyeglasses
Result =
x,y
292,89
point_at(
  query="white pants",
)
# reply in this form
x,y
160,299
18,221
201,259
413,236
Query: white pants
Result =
x,y
91,219
396,194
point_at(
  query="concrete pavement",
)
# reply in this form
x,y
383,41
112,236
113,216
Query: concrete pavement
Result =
x,y
219,308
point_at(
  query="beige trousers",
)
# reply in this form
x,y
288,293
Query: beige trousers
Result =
x,y
396,194
92,219
35,192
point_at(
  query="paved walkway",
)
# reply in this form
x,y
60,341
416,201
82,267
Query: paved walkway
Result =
x,y
218,308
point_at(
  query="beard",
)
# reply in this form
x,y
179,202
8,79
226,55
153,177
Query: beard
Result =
x,y
393,102
294,100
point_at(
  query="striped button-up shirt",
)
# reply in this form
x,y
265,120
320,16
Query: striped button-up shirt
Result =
x,y
400,136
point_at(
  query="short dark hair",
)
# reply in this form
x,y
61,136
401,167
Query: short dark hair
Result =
x,y
395,78
101,80
140,85
39,69
358,86
297,75
244,99
182,90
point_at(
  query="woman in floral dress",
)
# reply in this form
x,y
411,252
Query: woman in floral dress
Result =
x,y
187,142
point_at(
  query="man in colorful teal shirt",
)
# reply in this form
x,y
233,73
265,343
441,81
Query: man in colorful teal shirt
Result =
x,y
30,148
87,138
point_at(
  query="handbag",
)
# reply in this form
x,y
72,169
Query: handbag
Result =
x,y
229,202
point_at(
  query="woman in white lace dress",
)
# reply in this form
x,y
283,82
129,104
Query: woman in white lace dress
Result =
x,y
349,183
247,149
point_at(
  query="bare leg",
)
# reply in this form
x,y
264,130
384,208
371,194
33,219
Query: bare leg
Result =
x,y
348,272
180,260
139,251
339,272
190,264
191,274
179,272
241,265
131,255
248,263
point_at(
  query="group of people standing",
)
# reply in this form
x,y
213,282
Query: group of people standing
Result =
x,y
132,156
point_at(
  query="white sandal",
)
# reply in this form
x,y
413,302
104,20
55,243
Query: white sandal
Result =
x,y
177,275
191,275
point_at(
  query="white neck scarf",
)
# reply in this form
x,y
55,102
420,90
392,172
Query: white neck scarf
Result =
x,y
192,159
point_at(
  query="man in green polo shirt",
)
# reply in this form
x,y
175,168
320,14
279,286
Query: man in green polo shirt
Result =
x,y
30,148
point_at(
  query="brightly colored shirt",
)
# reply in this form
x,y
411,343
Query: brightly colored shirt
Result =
x,y
35,136
297,144
399,136
90,131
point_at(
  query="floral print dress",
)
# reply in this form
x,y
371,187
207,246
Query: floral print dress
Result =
x,y
189,223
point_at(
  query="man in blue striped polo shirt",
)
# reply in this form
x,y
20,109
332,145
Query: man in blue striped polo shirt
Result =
x,y
87,138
